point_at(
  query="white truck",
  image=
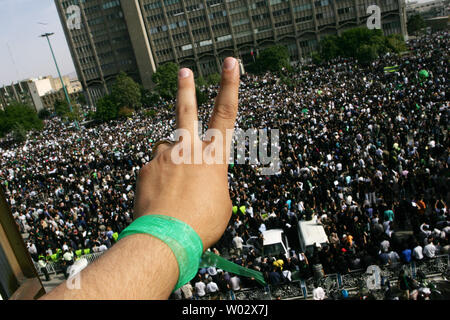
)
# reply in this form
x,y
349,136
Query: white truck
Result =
x,y
311,233
275,243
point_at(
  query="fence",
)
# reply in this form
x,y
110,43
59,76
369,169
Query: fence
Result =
x,y
302,289
354,280
56,267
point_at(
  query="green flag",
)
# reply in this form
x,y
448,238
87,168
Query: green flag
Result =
x,y
210,259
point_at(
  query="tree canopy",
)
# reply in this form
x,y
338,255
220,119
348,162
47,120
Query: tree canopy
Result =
x,y
361,43
166,80
415,23
20,117
126,92
274,59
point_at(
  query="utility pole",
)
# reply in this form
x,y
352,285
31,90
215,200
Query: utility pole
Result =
x,y
47,35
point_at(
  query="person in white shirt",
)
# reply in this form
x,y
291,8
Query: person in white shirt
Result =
x,y
187,291
385,245
418,252
429,250
318,293
211,287
200,287
394,257
238,244
235,283
425,229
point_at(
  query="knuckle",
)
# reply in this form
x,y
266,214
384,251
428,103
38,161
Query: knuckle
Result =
x,y
226,111
184,108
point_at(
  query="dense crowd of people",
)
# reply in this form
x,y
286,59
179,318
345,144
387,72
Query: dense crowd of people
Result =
x,y
362,152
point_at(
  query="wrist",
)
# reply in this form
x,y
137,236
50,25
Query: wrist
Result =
x,y
184,243
150,256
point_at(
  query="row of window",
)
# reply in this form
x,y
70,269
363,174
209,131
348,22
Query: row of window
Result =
x,y
86,60
281,12
83,49
111,4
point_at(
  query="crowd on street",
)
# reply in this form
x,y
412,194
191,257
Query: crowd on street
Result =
x,y
363,152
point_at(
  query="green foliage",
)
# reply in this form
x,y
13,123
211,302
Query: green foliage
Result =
x,y
125,112
19,116
200,82
329,48
272,59
316,58
107,109
202,97
81,99
150,113
44,114
366,53
19,133
396,43
148,98
213,79
91,115
61,108
415,23
126,92
75,115
361,43
165,79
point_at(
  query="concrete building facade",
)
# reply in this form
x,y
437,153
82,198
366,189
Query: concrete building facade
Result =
x,y
39,93
199,34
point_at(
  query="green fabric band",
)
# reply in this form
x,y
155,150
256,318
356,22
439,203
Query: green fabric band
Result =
x,y
184,242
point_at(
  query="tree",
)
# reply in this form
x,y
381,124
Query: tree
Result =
x,y
329,48
202,97
166,80
75,114
316,58
107,109
126,92
19,116
149,98
366,53
415,23
396,43
272,59
44,114
200,82
213,79
61,108
19,133
361,43
81,99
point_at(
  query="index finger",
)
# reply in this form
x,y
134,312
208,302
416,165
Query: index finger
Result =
x,y
225,110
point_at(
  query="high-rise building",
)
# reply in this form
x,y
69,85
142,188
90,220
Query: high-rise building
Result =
x,y
137,36
100,45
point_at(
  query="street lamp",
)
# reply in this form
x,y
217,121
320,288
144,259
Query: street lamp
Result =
x,y
47,35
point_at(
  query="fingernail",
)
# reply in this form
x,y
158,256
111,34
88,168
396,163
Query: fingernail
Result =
x,y
184,73
229,63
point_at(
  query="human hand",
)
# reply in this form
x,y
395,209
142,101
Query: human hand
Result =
x,y
196,194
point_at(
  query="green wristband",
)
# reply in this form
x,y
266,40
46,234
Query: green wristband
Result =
x,y
184,242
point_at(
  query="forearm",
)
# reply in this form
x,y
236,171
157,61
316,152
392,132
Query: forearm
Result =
x,y
137,267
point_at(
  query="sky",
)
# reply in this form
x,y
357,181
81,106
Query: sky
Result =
x,y
23,54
